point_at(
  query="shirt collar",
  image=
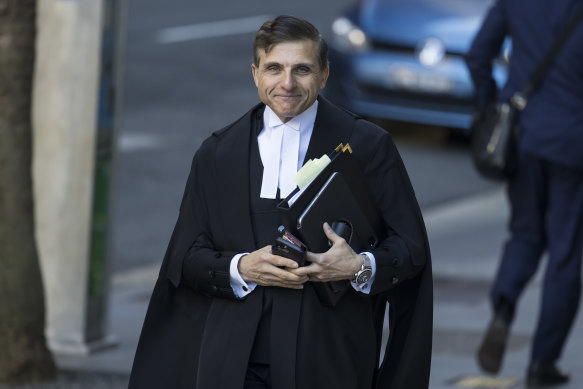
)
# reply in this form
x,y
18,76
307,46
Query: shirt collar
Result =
x,y
301,122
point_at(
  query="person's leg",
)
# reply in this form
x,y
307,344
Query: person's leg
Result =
x,y
520,258
562,280
527,193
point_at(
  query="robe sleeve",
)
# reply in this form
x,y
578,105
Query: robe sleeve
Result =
x,y
403,253
191,257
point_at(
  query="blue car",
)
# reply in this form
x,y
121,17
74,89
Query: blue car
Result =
x,y
403,60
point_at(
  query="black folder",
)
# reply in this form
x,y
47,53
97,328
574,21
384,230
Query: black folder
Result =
x,y
339,193
334,203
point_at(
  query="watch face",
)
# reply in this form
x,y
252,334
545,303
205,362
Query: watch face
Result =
x,y
363,276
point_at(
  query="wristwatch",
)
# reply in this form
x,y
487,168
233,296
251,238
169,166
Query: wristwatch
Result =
x,y
363,275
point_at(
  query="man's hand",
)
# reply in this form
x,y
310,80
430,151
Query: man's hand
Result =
x,y
267,269
340,262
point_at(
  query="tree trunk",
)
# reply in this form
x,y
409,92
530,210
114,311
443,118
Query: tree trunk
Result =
x,y
24,356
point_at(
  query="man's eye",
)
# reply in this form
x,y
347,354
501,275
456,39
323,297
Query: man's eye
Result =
x,y
273,68
303,69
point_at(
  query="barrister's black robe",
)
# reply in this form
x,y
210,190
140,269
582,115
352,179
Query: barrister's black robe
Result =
x,y
197,334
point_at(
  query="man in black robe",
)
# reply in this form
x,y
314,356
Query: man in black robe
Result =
x,y
226,312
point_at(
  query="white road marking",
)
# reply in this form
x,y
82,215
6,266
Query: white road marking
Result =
x,y
211,29
129,142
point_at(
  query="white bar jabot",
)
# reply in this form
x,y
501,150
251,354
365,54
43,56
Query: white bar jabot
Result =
x,y
283,147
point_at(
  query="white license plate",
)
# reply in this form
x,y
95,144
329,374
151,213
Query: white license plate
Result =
x,y
402,77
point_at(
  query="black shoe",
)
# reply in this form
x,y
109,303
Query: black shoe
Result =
x,y
541,375
491,351
493,345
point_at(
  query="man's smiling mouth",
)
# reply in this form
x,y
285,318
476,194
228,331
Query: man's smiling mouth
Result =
x,y
288,96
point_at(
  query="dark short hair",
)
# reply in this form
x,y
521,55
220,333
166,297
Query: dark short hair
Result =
x,y
286,28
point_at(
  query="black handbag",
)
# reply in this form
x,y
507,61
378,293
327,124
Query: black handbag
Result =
x,y
495,132
494,139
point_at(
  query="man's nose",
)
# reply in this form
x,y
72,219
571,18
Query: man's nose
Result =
x,y
289,81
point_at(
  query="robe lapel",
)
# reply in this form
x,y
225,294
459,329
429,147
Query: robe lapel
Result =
x,y
232,174
231,319
332,127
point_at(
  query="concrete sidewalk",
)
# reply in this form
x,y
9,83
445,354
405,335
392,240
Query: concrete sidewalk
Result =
x,y
465,236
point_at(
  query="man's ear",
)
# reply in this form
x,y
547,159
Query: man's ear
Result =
x,y
254,72
325,74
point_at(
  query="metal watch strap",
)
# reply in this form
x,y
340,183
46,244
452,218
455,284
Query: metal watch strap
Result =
x,y
366,266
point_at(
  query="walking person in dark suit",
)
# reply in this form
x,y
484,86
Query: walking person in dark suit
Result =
x,y
546,193
226,313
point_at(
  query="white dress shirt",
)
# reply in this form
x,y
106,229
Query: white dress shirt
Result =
x,y
283,147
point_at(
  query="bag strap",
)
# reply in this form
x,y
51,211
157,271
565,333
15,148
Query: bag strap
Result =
x,y
520,98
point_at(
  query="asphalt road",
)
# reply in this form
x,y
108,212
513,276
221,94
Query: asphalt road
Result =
x,y
189,73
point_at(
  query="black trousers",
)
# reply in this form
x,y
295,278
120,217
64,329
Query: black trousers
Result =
x,y
257,377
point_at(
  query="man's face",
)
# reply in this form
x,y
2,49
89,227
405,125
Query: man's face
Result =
x,y
289,77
